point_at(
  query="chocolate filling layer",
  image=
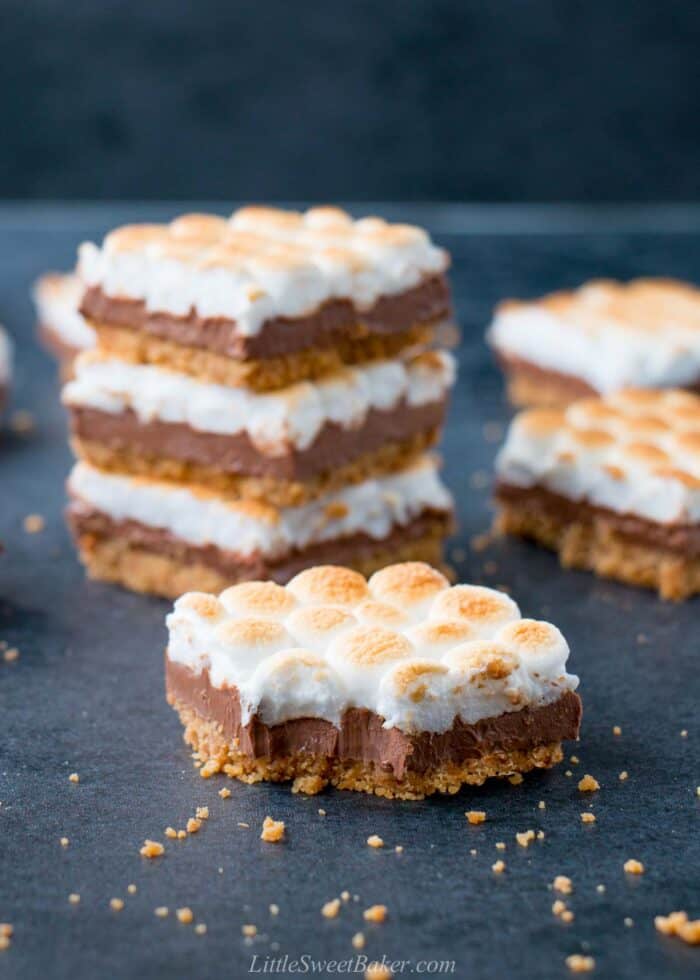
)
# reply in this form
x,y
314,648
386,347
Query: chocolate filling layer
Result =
x,y
361,736
334,446
84,520
426,303
681,538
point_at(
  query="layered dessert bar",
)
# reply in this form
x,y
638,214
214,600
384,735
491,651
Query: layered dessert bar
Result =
x,y
598,339
612,484
287,446
166,538
400,686
62,328
266,297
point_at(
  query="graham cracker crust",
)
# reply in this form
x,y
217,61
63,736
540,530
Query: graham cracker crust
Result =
x,y
258,375
312,773
281,493
116,560
532,387
593,544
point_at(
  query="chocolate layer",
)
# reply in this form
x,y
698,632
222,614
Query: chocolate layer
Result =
x,y
680,538
428,302
333,447
361,736
84,520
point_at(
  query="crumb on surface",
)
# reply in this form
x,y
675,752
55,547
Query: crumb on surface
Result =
x,y
378,971
399,848
500,845
633,867
375,913
321,812
578,963
152,849
161,911
558,906
498,867
358,941
330,909
272,830
309,785
181,834
170,832
517,777
588,817
74,778
64,842
617,730
34,523
623,776
274,909
678,924
116,904
563,884
629,922
542,805
345,895
200,929
249,930
74,898
193,825
202,813
475,816
184,915
525,838
574,760
224,793
11,655
131,889
684,733
374,840
589,784
600,889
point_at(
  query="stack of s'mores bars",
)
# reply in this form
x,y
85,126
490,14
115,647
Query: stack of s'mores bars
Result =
x,y
400,686
262,397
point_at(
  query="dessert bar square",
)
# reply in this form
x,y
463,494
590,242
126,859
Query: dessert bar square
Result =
x,y
155,536
611,484
266,297
287,446
598,339
400,686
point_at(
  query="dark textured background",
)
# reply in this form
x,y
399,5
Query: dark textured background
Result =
x,y
503,100
86,695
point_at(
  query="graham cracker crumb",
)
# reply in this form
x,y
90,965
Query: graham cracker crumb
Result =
x,y
330,909
241,823
399,848
633,867
567,916
578,963
628,921
617,730
540,835
541,805
588,784
131,889
202,813
210,768
563,884
7,929
161,911
272,830
184,915
600,889
170,832
516,779
274,909
116,904
74,898
623,776
499,867
200,929
375,841
475,816
34,523
473,852
193,825
358,941
74,778
249,931
558,906
684,733
378,971
678,924
525,838
11,655
181,834
64,842
5,943
309,785
224,793
588,817
321,812
345,895
375,913
152,849
500,845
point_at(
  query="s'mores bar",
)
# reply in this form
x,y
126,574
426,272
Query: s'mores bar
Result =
x,y
287,446
166,538
401,685
612,484
266,297
62,328
598,339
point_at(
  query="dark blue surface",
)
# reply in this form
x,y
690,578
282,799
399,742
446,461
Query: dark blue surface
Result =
x,y
87,695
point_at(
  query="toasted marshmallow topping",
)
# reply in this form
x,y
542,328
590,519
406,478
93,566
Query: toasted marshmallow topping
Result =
x,y
636,451
5,357
273,421
199,517
417,670
260,263
644,333
57,299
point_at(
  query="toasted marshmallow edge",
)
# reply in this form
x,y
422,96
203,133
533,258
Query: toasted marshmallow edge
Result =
x,y
257,266
316,658
57,300
5,357
273,421
599,452
607,356
375,507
